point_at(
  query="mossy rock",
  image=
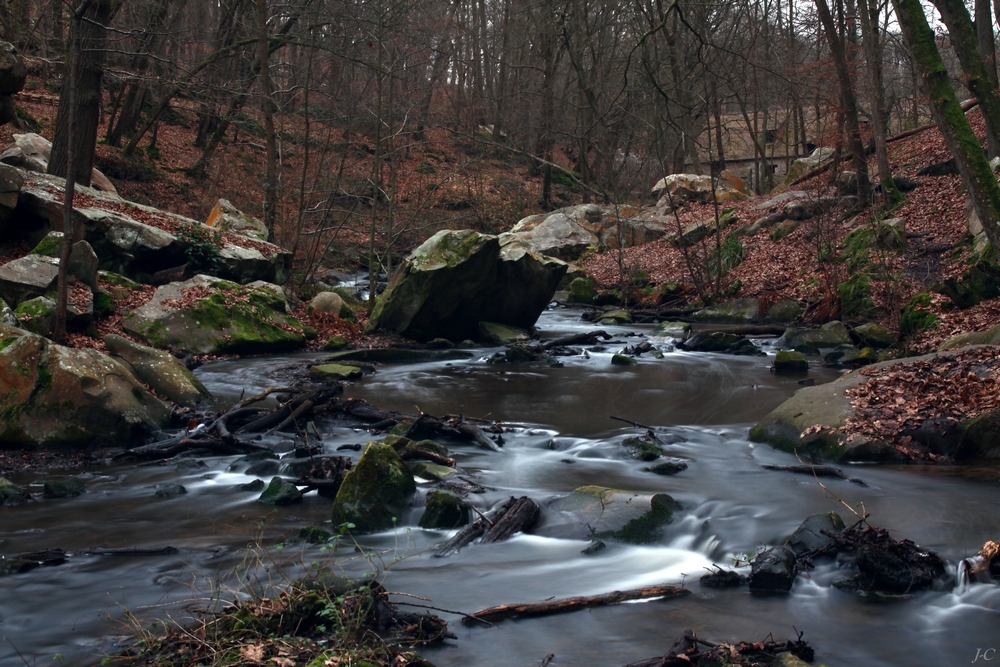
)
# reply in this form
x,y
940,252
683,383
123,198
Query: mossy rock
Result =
x,y
37,315
861,357
160,370
874,335
583,290
829,335
672,329
979,283
730,312
280,492
981,438
314,535
855,297
641,450
614,514
433,471
439,344
11,494
331,373
915,318
668,468
988,337
790,362
623,360
616,316
64,488
784,311
375,492
443,511
50,245
228,319
500,334
335,343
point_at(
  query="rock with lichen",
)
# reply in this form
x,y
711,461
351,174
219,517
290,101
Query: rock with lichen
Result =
x,y
375,492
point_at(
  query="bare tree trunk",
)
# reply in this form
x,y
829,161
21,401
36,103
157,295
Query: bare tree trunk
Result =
x,y
975,170
86,107
267,106
848,100
873,54
966,45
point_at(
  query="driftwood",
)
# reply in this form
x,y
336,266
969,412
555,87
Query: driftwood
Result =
x,y
561,605
818,471
687,652
414,453
459,427
577,339
982,567
514,515
128,551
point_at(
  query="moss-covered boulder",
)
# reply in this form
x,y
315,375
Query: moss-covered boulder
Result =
x,y
641,450
280,492
334,372
980,438
427,470
790,362
375,492
736,311
831,334
63,488
979,283
55,395
206,315
611,514
989,337
11,494
37,315
443,511
876,336
672,329
623,360
336,343
784,311
499,334
162,371
861,357
28,277
583,290
457,279
615,316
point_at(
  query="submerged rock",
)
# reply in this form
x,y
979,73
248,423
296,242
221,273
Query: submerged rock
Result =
x,y
375,492
63,488
11,494
443,511
612,514
773,571
55,395
207,315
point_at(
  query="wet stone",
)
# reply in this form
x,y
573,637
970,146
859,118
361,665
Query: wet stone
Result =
x,y
168,490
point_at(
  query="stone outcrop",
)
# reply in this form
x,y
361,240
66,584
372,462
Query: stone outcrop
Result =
x,y
695,187
226,217
31,152
55,395
207,315
457,279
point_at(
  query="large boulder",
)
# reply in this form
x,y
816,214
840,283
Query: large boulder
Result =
x,y
11,181
375,492
131,238
696,187
28,277
160,370
226,217
557,235
603,513
31,152
207,315
55,395
831,334
801,166
773,571
737,311
457,279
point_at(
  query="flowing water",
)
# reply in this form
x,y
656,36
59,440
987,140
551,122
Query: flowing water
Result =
x,y
559,436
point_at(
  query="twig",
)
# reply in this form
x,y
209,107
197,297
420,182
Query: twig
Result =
x,y
447,611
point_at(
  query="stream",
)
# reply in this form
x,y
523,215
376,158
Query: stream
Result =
x,y
559,436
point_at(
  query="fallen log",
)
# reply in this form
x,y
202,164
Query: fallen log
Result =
x,y
577,339
499,524
562,605
171,447
980,568
128,551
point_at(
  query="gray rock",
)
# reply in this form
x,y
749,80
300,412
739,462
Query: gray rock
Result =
x,y
230,318
31,152
736,311
876,336
11,181
169,490
831,334
784,311
55,395
7,316
27,277
455,280
810,535
611,514
226,217
63,488
83,264
162,371
327,302
773,571
443,511
499,334
13,73
37,315
334,372
623,360
981,438
558,236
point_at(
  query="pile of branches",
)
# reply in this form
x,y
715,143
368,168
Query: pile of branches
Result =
x,y
691,651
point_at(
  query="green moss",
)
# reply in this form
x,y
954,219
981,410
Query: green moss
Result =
x,y
583,290
104,304
914,319
644,529
119,280
642,450
376,490
155,333
32,309
855,297
443,511
335,343
50,245
7,342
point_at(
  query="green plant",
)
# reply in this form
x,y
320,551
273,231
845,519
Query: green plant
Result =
x,y
855,297
915,318
202,246
725,258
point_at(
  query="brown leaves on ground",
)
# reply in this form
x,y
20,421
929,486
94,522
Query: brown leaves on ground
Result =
x,y
899,398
